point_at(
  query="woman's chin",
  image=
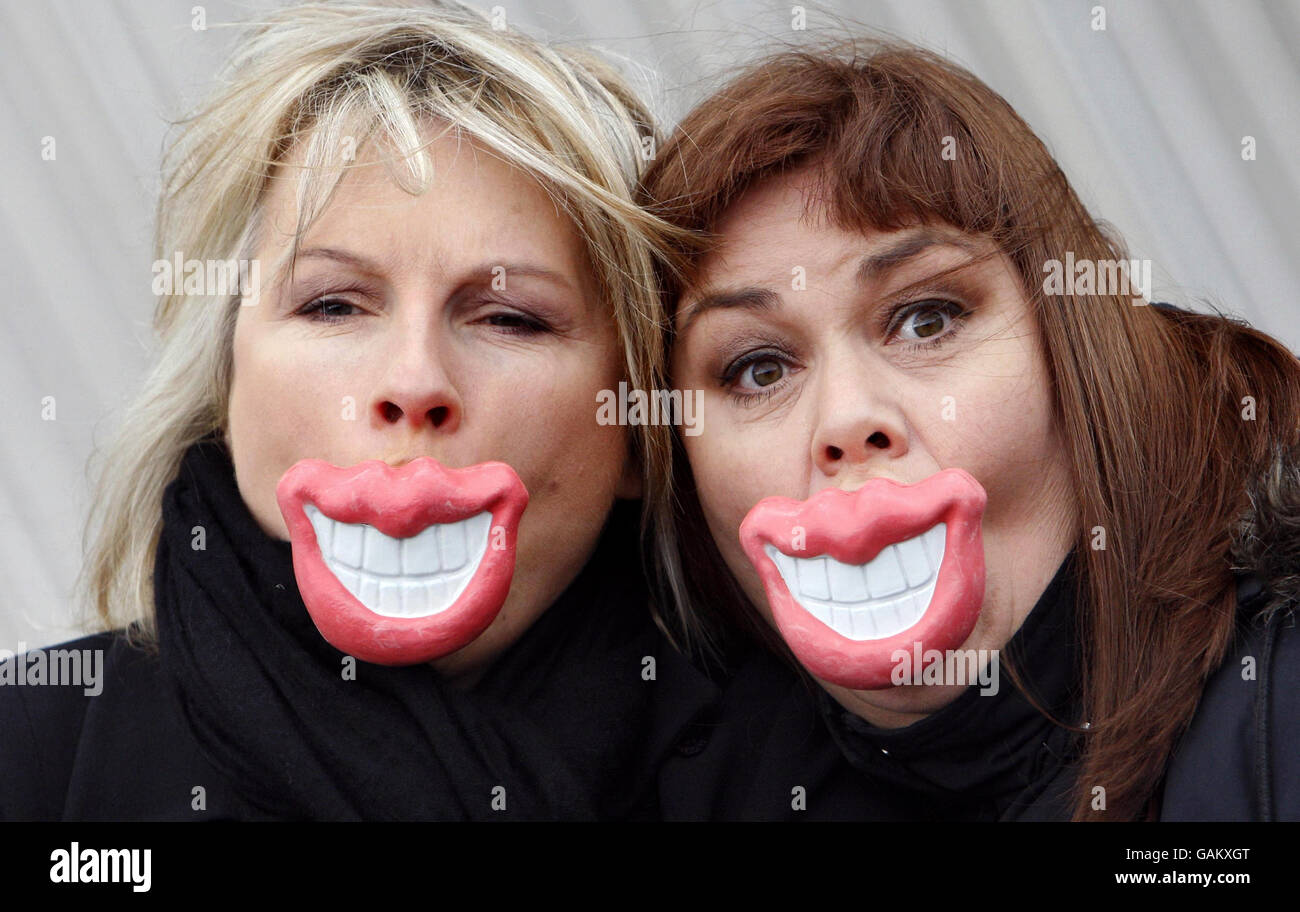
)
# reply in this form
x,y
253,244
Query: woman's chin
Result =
x,y
895,706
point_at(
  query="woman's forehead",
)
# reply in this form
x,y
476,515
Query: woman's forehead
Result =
x,y
771,232
473,201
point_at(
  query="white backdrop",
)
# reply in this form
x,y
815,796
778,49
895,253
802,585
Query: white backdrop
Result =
x,y
1146,117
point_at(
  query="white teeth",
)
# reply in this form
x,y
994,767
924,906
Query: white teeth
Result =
x,y
348,578
812,577
847,583
420,553
934,545
403,577
867,601
821,611
348,542
884,575
841,617
915,560
415,601
390,599
864,625
368,593
383,555
784,563
453,548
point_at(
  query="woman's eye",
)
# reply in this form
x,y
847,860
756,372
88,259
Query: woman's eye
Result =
x,y
762,373
759,371
329,310
928,320
516,323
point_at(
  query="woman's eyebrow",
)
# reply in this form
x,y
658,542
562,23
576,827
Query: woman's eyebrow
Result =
x,y
751,297
485,271
908,248
872,266
496,268
357,261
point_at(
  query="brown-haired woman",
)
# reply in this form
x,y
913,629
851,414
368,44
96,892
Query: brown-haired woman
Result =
x,y
881,340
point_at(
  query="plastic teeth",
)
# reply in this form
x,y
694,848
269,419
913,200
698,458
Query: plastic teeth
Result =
x,y
403,577
868,601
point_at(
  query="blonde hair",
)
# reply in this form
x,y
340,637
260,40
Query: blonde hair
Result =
x,y
316,74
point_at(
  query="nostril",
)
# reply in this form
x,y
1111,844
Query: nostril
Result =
x,y
438,415
392,413
878,440
834,452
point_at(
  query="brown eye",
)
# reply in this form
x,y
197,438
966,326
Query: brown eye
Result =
x,y
929,324
929,320
758,371
764,373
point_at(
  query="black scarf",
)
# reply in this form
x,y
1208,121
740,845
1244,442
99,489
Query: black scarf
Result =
x,y
564,721
986,756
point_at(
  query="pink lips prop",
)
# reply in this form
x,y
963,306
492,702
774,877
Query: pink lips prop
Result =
x,y
401,503
853,527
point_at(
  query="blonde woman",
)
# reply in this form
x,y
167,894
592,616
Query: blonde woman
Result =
x,y
440,269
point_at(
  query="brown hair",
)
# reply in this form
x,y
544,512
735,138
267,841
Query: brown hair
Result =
x,y
1149,401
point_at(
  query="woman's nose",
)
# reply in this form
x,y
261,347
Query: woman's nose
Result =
x,y
858,420
439,416
418,387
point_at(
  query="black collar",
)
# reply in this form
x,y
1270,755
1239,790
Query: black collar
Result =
x,y
984,754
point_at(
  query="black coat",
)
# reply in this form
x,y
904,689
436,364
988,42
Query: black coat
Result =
x,y
1240,758
124,754
762,749
779,748
128,753
776,748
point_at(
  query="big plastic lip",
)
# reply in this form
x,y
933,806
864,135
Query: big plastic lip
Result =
x,y
401,502
854,527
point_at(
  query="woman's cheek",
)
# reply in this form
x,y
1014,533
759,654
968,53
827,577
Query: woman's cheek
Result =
x,y
290,400
543,423
728,486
